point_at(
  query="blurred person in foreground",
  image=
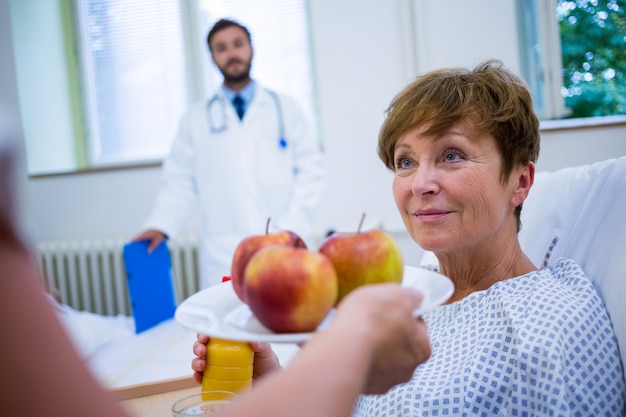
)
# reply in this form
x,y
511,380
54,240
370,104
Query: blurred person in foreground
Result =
x,y
514,338
373,343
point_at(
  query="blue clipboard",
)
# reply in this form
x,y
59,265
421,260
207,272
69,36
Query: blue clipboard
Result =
x,y
150,284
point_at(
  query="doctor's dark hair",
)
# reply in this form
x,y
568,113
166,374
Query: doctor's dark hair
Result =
x,y
495,100
223,24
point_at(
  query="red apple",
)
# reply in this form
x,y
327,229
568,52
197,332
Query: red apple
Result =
x,y
250,245
290,290
363,258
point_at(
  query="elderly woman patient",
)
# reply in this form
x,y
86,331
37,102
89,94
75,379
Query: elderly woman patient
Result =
x,y
513,339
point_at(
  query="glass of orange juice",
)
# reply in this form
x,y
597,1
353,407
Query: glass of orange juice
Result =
x,y
206,403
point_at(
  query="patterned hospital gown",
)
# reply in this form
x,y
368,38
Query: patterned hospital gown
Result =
x,y
536,345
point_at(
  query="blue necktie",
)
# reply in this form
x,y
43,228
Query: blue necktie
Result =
x,y
238,103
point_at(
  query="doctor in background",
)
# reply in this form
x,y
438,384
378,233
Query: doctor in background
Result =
x,y
245,155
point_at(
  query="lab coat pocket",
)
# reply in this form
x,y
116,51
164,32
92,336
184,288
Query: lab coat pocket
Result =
x,y
276,165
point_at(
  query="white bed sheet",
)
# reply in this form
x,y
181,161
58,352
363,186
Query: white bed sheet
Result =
x,y
159,353
118,357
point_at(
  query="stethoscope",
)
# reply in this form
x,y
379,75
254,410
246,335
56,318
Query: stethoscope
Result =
x,y
282,142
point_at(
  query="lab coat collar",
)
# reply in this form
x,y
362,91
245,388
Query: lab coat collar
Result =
x,y
247,94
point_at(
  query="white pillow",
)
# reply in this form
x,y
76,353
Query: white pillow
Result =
x,y
584,208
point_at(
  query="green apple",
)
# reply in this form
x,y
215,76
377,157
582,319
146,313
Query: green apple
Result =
x,y
289,289
362,258
250,245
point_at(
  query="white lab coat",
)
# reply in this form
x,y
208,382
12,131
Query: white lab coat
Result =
x,y
240,177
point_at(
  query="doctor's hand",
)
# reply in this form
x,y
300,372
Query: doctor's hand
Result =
x,y
265,360
154,236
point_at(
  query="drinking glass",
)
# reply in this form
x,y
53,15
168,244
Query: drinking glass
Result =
x,y
206,403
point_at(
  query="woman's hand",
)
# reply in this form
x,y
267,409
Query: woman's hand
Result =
x,y
265,360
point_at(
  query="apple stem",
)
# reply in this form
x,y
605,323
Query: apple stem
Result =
x,y
267,226
358,230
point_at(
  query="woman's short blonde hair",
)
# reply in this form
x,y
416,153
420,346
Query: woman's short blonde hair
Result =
x,y
497,101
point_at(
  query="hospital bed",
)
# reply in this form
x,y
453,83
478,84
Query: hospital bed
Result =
x,y
118,357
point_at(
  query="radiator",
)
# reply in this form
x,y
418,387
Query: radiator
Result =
x,y
89,275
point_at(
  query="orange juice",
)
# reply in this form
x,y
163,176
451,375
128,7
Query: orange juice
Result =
x,y
229,365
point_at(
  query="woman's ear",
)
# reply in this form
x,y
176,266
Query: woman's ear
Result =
x,y
523,177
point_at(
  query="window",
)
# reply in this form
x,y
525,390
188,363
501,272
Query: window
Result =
x,y
593,37
130,68
573,54
133,76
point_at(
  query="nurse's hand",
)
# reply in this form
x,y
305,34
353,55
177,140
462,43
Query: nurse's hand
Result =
x,y
265,360
154,236
379,319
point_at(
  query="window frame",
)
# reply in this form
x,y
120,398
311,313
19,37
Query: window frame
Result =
x,y
541,56
550,44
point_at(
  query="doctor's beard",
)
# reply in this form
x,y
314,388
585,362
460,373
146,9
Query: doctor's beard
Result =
x,y
235,77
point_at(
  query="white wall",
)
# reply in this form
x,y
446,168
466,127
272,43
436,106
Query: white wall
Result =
x,y
571,147
362,58
462,33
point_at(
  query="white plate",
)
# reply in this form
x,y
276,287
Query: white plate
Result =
x,y
218,312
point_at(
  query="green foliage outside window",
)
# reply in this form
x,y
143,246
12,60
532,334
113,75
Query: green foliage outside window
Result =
x,y
593,40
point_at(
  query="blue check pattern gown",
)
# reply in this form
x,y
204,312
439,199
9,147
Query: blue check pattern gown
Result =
x,y
537,345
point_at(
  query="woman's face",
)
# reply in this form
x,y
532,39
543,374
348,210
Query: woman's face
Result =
x,y
448,189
